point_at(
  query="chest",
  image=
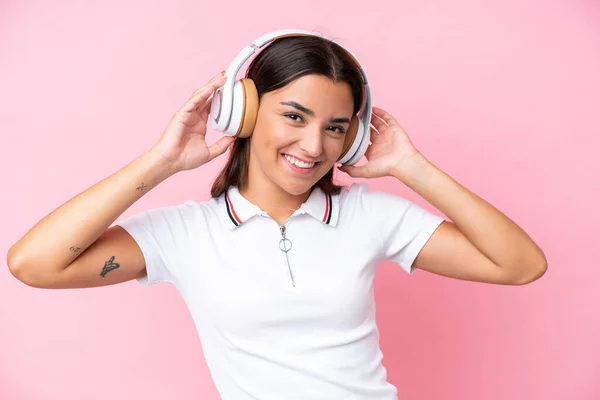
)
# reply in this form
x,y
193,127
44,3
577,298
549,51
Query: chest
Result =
x,y
310,277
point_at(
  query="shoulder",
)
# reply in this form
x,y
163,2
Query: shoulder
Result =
x,y
182,214
361,204
362,195
186,210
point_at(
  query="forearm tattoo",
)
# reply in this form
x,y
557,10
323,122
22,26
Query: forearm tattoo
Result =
x,y
142,187
76,249
109,266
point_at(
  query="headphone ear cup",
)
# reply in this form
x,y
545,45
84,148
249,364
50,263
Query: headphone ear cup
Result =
x,y
249,108
350,137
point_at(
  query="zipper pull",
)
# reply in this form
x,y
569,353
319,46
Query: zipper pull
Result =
x,y
285,245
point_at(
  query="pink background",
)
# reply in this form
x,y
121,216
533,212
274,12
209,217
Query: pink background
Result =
x,y
502,95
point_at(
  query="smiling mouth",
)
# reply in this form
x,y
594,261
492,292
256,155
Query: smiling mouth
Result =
x,y
299,163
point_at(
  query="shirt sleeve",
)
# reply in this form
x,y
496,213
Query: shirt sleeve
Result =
x,y
402,226
163,235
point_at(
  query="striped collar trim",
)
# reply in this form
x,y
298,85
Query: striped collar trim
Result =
x,y
320,205
235,219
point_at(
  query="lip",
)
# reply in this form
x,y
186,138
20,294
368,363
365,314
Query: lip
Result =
x,y
300,158
302,171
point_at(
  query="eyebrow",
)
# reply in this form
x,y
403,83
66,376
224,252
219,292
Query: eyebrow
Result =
x,y
311,112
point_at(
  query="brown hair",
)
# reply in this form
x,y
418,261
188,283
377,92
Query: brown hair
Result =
x,y
280,63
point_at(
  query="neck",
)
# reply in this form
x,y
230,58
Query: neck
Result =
x,y
271,198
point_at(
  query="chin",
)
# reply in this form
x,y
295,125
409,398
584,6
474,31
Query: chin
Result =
x,y
297,181
295,188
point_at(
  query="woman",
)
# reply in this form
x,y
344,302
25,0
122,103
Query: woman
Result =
x,y
277,267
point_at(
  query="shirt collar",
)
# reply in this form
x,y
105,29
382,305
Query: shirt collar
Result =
x,y
236,209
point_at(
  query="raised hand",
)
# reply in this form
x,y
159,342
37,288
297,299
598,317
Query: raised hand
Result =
x,y
183,142
390,148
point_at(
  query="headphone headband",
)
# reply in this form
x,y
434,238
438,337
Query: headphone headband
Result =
x,y
269,37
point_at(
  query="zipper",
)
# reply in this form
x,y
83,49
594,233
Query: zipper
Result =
x,y
285,245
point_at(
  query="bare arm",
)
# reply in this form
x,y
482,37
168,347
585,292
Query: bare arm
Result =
x,y
481,244
74,247
61,237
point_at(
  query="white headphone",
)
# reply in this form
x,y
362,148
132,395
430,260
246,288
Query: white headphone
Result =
x,y
235,105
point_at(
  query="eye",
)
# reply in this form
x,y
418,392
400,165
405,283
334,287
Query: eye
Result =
x,y
297,117
339,128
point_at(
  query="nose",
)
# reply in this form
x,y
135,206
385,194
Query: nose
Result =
x,y
311,142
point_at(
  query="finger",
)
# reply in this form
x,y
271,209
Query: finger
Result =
x,y
374,134
210,82
201,95
387,117
378,123
219,147
355,172
199,98
205,110
203,87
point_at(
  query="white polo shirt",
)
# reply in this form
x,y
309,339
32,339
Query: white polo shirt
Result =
x,y
271,327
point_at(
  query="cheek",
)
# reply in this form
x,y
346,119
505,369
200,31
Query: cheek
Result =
x,y
333,148
274,135
268,138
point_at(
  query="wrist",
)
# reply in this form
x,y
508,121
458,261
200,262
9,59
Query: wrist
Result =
x,y
161,166
409,167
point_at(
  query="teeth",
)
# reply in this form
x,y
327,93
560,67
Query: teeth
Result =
x,y
298,163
